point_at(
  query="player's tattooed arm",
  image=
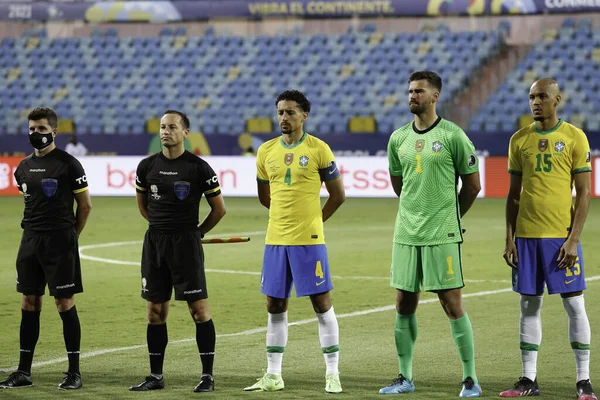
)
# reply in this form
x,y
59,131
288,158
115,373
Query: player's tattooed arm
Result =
x,y
512,210
264,194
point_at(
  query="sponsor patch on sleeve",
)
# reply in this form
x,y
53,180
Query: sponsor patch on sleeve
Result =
x,y
472,160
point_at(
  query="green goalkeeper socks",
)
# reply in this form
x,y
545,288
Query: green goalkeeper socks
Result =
x,y
406,335
462,333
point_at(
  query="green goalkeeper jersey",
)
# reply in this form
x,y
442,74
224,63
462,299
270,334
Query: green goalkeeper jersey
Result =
x,y
430,163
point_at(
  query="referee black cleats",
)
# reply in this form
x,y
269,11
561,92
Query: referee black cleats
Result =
x,y
16,380
71,381
150,383
207,384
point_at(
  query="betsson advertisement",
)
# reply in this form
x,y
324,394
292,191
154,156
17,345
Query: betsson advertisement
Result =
x,y
363,176
115,176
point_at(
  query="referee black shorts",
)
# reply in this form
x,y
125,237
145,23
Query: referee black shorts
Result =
x,y
173,260
49,258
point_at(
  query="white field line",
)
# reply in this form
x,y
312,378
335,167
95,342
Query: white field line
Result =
x,y
247,332
228,271
264,329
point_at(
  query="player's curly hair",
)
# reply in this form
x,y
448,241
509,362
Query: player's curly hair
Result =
x,y
297,96
40,113
185,121
431,77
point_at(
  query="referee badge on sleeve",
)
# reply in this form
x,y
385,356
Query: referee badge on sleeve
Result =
x,y
182,189
49,186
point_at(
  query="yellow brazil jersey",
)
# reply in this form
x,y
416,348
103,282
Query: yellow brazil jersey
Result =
x,y
295,174
547,161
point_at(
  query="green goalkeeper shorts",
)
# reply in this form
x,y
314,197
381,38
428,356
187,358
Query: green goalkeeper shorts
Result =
x,y
416,268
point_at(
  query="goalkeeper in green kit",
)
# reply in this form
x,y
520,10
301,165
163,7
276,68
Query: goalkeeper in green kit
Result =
x,y
426,159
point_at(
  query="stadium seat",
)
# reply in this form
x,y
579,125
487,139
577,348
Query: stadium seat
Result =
x,y
364,66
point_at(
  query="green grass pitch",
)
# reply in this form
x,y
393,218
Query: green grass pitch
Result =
x,y
113,316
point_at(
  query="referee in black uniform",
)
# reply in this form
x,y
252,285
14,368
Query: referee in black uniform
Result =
x,y
169,187
50,180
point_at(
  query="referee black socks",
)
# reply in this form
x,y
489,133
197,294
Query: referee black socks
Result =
x,y
157,337
28,337
72,335
205,339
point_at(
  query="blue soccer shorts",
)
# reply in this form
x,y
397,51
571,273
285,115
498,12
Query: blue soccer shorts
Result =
x,y
538,265
306,267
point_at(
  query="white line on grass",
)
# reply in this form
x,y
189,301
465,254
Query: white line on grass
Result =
x,y
250,331
260,330
228,271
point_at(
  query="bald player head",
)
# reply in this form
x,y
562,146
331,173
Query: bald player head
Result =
x,y
544,97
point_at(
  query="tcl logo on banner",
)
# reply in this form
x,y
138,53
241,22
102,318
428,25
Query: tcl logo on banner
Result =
x,y
362,176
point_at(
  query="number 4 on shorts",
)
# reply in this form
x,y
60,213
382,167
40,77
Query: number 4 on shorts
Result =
x,y
319,270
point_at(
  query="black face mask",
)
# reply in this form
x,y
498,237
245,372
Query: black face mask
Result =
x,y
40,140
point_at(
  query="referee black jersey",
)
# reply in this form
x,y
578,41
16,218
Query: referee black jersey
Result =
x,y
174,189
49,185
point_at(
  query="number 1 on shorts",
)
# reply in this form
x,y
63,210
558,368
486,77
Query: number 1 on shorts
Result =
x,y
450,270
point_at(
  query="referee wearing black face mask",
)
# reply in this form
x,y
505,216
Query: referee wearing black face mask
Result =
x,y
51,181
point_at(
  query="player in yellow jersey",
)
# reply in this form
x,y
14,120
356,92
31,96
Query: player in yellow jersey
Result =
x,y
542,231
290,172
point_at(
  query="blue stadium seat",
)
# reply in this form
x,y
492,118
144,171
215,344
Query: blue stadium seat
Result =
x,y
105,72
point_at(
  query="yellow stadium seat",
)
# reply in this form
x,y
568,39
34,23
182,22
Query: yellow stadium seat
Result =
x,y
346,70
259,125
32,43
375,38
153,125
424,48
362,125
65,126
233,72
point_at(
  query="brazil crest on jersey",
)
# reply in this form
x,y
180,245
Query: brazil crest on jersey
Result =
x,y
430,163
295,174
547,161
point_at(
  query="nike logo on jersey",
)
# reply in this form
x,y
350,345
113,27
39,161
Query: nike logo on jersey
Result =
x,y
525,149
331,172
569,282
320,283
448,279
269,162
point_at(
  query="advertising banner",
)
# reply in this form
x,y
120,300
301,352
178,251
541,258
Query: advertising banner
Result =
x,y
362,176
567,6
115,176
8,165
189,10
